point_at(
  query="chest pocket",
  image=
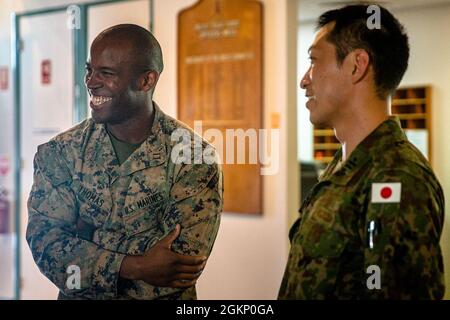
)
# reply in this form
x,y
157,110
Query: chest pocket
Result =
x,y
143,214
94,202
321,235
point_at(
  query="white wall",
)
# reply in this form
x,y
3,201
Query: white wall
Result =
x,y
428,29
7,242
250,253
305,128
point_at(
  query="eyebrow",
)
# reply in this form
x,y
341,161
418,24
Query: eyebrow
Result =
x,y
310,48
104,68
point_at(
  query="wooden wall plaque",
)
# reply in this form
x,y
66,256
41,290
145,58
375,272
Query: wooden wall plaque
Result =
x,y
220,83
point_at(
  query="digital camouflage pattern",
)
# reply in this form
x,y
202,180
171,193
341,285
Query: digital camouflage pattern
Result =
x,y
130,207
330,252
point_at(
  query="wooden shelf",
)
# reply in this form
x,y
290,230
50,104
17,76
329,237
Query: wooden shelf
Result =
x,y
323,132
325,159
412,116
407,102
326,146
412,105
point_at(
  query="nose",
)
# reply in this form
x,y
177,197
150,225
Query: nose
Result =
x,y
306,80
91,80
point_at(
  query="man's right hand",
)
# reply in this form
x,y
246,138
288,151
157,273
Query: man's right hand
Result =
x,y
162,267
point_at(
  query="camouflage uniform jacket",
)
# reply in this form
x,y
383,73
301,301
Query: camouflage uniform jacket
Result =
x,y
130,208
345,227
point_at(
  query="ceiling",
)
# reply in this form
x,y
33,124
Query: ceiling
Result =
x,y
310,10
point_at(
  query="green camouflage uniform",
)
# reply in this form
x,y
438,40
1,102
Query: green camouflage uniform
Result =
x,y
128,207
331,245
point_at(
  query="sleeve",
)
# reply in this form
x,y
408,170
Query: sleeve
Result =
x,y
196,204
51,233
402,238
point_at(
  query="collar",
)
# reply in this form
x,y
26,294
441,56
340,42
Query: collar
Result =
x,y
151,153
387,134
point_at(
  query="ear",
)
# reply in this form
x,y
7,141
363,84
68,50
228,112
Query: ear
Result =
x,y
360,62
148,80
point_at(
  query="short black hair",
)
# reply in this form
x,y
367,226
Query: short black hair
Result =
x,y
146,49
387,46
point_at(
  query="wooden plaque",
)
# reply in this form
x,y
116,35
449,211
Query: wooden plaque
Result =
x,y
220,83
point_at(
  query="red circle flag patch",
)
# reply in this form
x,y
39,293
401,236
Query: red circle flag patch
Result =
x,y
386,192
389,192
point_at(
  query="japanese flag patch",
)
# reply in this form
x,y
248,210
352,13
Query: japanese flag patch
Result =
x,y
386,192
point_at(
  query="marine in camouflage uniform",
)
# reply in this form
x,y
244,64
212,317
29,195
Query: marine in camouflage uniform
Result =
x,y
129,207
343,228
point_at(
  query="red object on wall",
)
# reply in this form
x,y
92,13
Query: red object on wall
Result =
x,y
4,165
46,71
3,78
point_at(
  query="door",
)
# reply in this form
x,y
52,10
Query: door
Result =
x,y
46,92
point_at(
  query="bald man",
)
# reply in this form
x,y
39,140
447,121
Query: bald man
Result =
x,y
113,212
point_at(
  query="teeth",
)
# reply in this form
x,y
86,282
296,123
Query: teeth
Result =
x,y
99,100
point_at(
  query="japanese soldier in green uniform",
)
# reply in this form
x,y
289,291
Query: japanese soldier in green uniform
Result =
x,y
370,229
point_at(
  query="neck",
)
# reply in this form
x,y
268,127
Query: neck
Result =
x,y
362,119
136,129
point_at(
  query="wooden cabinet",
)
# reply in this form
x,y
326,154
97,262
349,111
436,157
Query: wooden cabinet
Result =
x,y
220,81
325,144
413,107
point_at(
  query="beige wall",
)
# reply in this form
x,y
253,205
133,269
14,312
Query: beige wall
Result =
x,y
250,252
428,30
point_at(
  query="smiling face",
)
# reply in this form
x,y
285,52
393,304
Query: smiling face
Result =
x,y
327,83
111,82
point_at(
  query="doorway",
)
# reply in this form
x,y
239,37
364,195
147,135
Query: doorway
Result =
x,y
50,48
